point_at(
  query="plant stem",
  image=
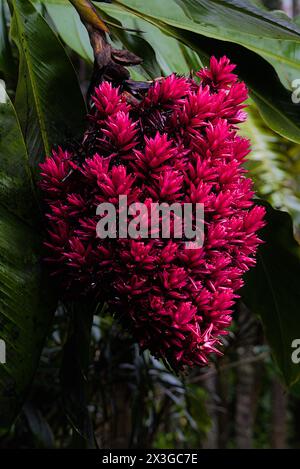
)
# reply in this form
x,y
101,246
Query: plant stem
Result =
x,y
109,63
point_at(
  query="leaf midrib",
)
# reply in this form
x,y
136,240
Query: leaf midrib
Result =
x,y
26,163
34,86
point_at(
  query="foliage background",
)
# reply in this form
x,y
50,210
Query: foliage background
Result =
x,y
73,378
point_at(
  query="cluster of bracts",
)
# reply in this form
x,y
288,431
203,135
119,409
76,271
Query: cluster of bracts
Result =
x,y
179,143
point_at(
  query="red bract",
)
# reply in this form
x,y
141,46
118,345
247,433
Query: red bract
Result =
x,y
179,143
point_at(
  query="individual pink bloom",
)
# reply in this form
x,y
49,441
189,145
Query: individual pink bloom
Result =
x,y
108,101
219,74
167,92
120,133
53,172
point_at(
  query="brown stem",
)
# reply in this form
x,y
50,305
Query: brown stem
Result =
x,y
109,63
89,14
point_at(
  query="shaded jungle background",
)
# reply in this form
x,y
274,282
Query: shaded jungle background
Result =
x,y
133,400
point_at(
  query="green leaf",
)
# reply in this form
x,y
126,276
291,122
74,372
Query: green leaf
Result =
x,y
274,164
26,302
135,43
49,102
6,57
49,109
71,29
272,290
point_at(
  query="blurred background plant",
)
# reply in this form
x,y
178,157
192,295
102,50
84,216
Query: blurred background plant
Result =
x,y
91,386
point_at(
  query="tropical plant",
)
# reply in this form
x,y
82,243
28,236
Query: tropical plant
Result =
x,y
51,58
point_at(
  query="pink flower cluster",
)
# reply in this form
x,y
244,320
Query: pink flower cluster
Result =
x,y
178,143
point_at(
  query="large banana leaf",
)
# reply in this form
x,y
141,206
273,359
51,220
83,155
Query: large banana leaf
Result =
x,y
25,300
49,109
6,59
49,103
